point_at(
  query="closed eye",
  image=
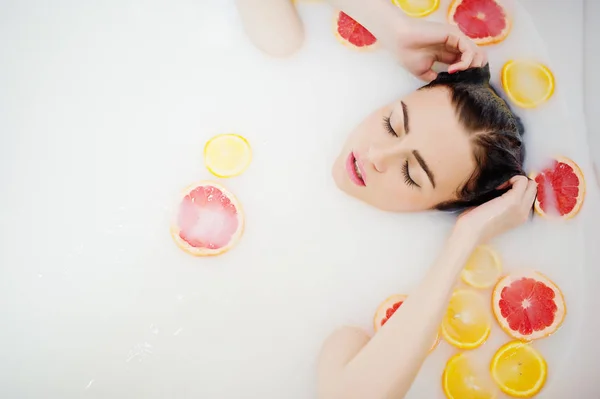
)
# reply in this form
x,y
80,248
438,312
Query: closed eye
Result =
x,y
388,126
407,179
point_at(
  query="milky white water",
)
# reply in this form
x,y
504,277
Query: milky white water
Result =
x,y
105,112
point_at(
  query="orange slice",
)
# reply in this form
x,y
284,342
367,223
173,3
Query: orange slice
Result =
x,y
561,189
467,323
463,379
210,220
519,370
483,268
387,308
527,83
417,8
351,33
484,21
528,306
227,155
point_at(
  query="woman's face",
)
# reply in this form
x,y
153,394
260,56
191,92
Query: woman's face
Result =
x,y
408,156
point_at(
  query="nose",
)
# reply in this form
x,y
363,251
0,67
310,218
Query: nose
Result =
x,y
382,156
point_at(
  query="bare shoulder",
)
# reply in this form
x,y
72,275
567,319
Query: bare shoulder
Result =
x,y
272,25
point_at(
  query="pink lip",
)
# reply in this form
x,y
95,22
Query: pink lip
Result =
x,y
352,173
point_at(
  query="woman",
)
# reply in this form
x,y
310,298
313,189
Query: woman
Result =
x,y
454,144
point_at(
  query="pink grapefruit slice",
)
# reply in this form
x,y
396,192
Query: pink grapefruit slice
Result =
x,y
484,21
561,189
210,220
351,33
387,308
528,305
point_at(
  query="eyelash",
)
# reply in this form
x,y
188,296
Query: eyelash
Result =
x,y
407,178
388,126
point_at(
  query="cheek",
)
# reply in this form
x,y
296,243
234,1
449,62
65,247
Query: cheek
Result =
x,y
398,197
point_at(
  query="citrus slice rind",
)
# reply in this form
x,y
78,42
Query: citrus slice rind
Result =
x,y
486,22
528,306
466,324
483,268
561,189
227,155
387,308
210,220
519,370
528,84
417,8
463,379
351,33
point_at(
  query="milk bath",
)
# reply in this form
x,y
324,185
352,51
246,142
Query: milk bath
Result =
x,y
106,109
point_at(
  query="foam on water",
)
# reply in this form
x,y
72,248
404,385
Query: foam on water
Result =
x,y
110,106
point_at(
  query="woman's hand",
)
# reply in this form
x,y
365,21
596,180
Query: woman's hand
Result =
x,y
500,214
418,44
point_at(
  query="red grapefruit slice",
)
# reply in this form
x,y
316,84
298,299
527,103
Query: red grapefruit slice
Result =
x,y
210,220
387,308
561,189
351,33
528,306
484,21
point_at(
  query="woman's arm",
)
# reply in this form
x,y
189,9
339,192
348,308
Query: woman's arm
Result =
x,y
386,365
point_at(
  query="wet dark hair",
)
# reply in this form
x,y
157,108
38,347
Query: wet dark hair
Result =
x,y
496,133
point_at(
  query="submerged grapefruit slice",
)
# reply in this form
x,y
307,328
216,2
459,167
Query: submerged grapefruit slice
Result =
x,y
210,220
519,370
561,189
528,306
467,323
484,21
417,8
527,83
483,268
387,308
227,155
463,378
351,33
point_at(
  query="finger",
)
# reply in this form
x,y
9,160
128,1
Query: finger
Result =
x,y
428,76
447,57
519,185
458,42
479,59
529,196
465,62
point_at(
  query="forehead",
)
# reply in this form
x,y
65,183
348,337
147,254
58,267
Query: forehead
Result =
x,y
437,134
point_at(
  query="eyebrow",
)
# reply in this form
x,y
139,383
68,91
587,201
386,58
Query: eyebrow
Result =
x,y
423,164
405,113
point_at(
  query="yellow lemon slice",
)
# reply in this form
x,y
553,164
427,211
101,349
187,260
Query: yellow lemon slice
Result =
x,y
519,370
462,379
227,155
483,268
417,8
467,323
527,83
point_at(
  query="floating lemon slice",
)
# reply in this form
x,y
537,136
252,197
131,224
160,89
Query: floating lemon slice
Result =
x,y
519,370
417,8
483,268
467,323
227,155
528,84
462,379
